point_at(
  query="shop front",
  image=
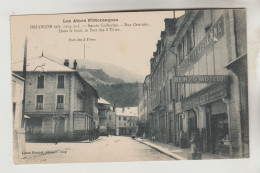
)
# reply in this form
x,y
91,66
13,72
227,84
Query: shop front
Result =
x,y
47,127
171,127
218,128
206,113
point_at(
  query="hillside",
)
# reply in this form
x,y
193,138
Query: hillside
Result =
x,y
113,83
123,95
110,69
98,77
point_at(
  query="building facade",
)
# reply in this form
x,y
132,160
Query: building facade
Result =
x,y
158,87
126,121
60,104
204,86
107,121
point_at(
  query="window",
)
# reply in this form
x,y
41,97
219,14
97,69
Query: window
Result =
x,y
164,95
190,39
124,118
119,118
180,53
171,96
39,102
14,109
60,101
124,124
40,81
60,81
160,96
189,42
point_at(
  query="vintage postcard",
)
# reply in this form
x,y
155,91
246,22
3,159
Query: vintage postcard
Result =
x,y
130,86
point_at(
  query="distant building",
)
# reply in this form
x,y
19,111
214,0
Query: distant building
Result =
x,y
126,121
18,123
143,107
106,117
60,104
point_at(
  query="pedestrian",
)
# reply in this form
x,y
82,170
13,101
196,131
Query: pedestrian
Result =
x,y
56,140
195,140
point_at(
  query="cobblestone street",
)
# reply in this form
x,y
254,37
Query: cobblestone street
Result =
x,y
105,149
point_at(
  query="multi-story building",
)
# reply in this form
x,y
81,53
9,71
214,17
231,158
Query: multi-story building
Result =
x,y
159,88
106,118
204,86
143,107
126,121
60,104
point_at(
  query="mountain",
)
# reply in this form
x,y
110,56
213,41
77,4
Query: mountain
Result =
x,y
98,77
114,84
110,69
122,95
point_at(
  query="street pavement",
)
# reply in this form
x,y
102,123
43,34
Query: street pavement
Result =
x,y
105,149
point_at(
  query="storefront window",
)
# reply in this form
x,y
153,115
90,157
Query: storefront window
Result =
x,y
220,123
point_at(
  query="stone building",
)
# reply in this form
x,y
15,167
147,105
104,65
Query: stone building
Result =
x,y
204,86
126,121
106,118
143,107
159,88
60,104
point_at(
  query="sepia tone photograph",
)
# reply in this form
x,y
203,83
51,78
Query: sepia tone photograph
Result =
x,y
130,86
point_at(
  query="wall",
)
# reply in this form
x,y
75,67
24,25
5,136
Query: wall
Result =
x,y
18,131
111,123
213,61
17,98
49,92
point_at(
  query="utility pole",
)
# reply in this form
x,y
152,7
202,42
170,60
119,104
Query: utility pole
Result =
x,y
24,76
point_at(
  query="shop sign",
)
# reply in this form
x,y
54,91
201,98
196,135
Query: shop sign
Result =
x,y
178,107
207,95
200,79
212,36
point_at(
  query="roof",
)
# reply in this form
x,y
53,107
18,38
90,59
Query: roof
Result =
x,y
86,83
103,101
17,76
127,111
41,64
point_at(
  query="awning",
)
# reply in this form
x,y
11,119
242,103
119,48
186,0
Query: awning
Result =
x,y
27,117
239,65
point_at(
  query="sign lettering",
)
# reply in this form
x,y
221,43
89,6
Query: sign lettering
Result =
x,y
205,96
200,79
213,35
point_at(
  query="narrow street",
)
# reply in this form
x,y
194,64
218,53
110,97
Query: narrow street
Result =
x,y
105,149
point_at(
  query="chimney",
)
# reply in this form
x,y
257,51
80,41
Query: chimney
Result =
x,y
75,65
170,27
114,108
123,109
66,63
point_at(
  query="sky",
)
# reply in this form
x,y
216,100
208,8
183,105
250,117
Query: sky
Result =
x,y
131,47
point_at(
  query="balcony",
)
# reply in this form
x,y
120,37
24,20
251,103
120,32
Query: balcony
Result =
x,y
60,106
39,106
